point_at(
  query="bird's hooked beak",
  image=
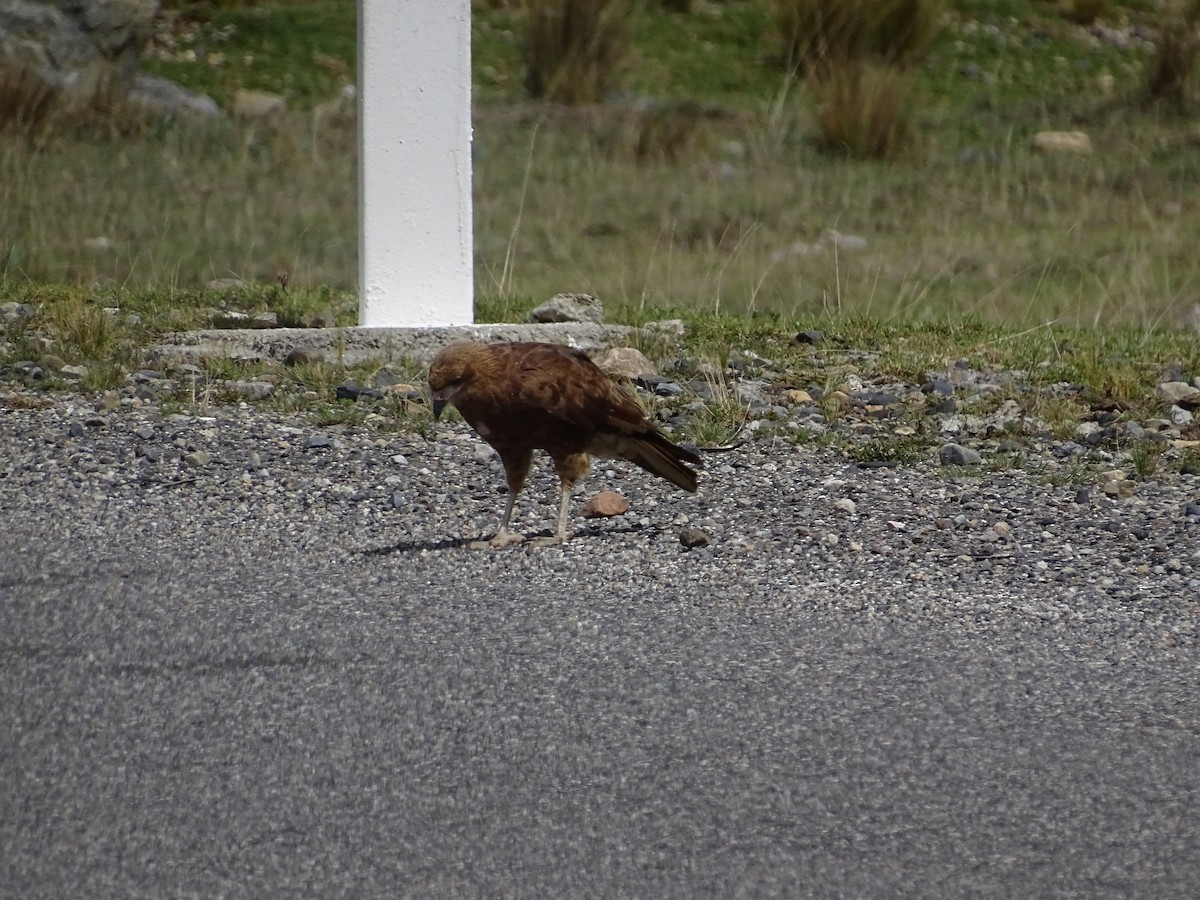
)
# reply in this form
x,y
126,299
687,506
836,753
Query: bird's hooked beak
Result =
x,y
441,397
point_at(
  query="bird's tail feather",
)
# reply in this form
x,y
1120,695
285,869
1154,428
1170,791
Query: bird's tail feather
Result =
x,y
660,457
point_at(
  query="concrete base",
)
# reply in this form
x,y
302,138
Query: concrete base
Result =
x,y
350,346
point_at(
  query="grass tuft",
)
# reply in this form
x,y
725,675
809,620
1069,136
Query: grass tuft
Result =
x,y
862,110
820,33
575,49
1178,45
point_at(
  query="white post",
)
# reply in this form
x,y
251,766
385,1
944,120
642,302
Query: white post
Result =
x,y
414,163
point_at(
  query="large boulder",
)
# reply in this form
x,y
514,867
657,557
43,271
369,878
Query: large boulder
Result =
x,y
69,49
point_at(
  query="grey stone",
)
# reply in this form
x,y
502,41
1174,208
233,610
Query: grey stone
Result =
x,y
958,455
749,392
318,441
162,97
76,49
252,390
1180,416
567,307
842,241
692,538
627,362
357,345
672,327
264,320
258,105
197,459
217,285
14,312
1180,393
350,391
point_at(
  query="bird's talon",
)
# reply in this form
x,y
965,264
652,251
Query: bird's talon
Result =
x,y
499,542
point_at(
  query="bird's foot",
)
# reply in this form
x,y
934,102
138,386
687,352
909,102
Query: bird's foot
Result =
x,y
551,541
499,542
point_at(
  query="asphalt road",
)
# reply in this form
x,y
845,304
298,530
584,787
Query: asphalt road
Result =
x,y
206,693
253,730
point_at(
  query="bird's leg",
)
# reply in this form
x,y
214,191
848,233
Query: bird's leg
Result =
x,y
565,487
516,467
569,468
505,538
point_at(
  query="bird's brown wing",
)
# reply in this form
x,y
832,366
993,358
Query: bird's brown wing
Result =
x,y
561,385
564,384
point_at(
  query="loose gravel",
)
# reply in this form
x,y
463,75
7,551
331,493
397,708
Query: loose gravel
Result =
x,y
775,525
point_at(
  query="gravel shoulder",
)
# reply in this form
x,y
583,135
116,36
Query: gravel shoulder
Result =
x,y
243,654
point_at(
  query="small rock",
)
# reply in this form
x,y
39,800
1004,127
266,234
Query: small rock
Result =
x,y
351,391
876,398
604,505
1179,393
958,455
749,393
1115,484
404,390
1002,529
217,285
302,356
627,362
843,241
1180,416
1062,142
694,537
99,244
569,308
197,459
318,441
251,390
75,373
258,105
52,363
230,318
809,337
264,320
12,311
846,505
1083,495
798,397
673,327
668,389
145,432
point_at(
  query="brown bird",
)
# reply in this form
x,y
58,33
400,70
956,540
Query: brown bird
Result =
x,y
522,397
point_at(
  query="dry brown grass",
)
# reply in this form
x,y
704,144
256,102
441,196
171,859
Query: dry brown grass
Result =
x,y
25,99
818,33
862,109
1174,60
1085,12
575,49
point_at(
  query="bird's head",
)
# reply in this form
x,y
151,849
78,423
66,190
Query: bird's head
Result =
x,y
452,369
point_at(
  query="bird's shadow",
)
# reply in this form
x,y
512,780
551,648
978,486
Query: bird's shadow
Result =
x,y
461,543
